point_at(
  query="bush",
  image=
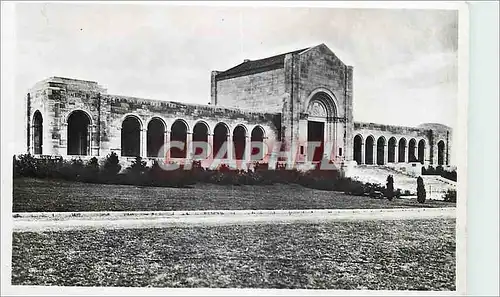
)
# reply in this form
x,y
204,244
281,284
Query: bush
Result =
x,y
398,193
111,167
421,195
91,171
450,196
451,175
389,192
25,165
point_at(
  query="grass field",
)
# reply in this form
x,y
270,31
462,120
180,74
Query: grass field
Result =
x,y
402,255
32,195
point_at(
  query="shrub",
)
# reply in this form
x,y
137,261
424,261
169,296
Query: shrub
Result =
x,y
389,192
420,190
398,193
450,196
91,170
25,165
111,167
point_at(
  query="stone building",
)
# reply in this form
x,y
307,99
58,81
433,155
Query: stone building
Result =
x,y
294,98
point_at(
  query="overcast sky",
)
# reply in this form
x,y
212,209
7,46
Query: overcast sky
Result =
x,y
405,61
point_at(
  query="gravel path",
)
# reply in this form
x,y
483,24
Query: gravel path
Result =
x,y
39,222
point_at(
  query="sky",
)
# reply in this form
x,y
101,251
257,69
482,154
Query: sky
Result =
x,y
405,60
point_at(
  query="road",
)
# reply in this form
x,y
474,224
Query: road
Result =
x,y
39,222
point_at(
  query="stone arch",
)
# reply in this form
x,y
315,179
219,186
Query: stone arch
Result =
x,y
441,147
421,151
358,149
402,150
412,148
391,150
131,136
221,133
200,137
178,133
257,142
37,133
381,150
326,97
369,144
78,132
321,112
155,136
239,142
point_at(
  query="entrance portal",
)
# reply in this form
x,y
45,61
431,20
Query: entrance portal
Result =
x,y
78,133
315,136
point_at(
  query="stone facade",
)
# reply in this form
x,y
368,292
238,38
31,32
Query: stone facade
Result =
x,y
293,98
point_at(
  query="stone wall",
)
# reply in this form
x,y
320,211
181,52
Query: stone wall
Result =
x,y
430,134
317,70
258,92
56,98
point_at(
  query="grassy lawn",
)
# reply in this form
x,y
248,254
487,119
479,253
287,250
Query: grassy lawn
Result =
x,y
391,255
32,195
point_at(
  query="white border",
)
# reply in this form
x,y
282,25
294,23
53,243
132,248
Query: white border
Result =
x,y
8,35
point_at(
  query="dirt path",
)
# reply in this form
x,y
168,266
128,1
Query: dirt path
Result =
x,y
38,222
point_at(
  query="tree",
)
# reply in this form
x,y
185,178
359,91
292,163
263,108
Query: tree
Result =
x,y
91,170
420,190
111,165
138,166
389,192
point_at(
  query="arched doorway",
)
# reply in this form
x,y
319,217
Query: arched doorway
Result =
x,y
358,149
441,152
220,140
391,150
239,142
380,150
178,133
412,156
402,150
321,126
131,137
257,142
421,151
155,137
200,137
78,133
37,133
369,150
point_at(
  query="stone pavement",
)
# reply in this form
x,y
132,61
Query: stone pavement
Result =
x,y
39,222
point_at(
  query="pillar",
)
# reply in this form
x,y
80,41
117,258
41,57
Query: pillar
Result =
x,y
210,140
396,154
374,153
143,145
230,147
189,145
386,152
362,153
248,152
166,143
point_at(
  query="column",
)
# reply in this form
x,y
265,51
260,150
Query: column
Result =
x,y
229,147
144,151
396,154
210,140
247,149
405,155
189,145
94,141
166,143
386,152
362,154
374,153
